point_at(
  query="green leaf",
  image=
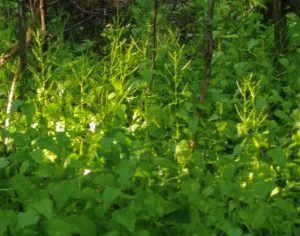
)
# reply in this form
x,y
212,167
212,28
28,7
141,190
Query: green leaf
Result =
x,y
125,172
118,86
62,192
283,116
145,4
147,74
20,139
277,155
28,109
106,143
230,229
126,218
143,233
44,207
6,217
3,162
27,218
284,61
87,226
37,155
24,167
252,43
109,195
24,187
16,104
182,152
49,144
58,227
262,189
112,233
285,206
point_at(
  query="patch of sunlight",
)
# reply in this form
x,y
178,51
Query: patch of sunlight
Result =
x,y
34,125
275,191
49,155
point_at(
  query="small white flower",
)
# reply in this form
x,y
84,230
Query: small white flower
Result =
x,y
34,125
86,171
92,126
60,126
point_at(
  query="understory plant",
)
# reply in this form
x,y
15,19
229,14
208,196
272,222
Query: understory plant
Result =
x,y
99,137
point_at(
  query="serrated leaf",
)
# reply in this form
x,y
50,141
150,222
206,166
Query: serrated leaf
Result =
x,y
126,218
23,186
44,207
27,218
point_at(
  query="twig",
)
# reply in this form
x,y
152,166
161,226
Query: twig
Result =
x,y
15,49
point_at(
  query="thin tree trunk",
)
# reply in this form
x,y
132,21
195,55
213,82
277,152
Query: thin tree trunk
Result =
x,y
43,16
208,52
11,96
280,31
22,34
154,41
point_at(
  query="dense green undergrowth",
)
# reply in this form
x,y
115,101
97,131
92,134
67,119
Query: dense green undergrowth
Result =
x,y
91,149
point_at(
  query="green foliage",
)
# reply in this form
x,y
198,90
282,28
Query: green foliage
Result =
x,y
91,150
